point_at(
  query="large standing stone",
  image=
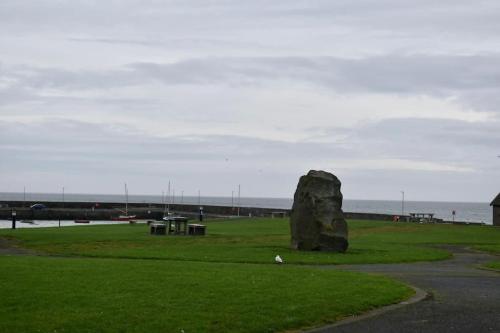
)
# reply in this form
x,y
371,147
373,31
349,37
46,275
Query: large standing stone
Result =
x,y
317,221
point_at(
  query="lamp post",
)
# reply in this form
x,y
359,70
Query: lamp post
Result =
x,y
239,198
403,203
14,219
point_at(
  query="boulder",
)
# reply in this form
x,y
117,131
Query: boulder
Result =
x,y
317,221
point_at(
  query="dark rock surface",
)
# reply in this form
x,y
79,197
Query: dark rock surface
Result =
x,y
316,220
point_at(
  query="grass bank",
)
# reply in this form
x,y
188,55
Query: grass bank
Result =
x,y
118,278
47,294
258,241
494,265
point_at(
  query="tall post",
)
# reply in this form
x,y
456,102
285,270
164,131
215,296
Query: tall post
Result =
x,y
14,219
173,196
403,203
163,203
24,196
182,197
59,224
126,200
199,198
239,198
168,197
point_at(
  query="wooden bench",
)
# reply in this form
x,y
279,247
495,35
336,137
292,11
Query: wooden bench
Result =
x,y
422,217
196,229
177,225
278,214
157,229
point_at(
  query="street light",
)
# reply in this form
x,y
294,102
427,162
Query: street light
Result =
x,y
14,219
403,203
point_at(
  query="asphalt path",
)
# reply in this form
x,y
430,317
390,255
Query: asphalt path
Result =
x,y
461,297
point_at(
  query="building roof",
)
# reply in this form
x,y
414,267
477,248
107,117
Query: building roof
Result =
x,y
496,201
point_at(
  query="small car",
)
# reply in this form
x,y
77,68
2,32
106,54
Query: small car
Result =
x,y
38,206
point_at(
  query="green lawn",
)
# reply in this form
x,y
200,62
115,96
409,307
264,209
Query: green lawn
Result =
x,y
493,248
118,278
494,265
258,241
51,294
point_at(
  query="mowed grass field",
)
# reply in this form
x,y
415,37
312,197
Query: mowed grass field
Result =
x,y
118,278
258,241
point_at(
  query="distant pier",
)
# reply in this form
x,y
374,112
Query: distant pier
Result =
x,y
107,210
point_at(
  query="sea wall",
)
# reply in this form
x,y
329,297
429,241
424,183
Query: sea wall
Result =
x,y
106,211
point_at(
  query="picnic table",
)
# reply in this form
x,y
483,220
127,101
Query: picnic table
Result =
x,y
422,217
281,214
176,225
157,229
196,229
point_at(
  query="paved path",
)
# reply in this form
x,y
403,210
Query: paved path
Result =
x,y
462,297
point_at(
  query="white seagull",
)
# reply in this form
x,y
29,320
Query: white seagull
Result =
x,y
278,259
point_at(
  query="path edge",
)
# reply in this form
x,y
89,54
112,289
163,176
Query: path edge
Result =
x,y
420,295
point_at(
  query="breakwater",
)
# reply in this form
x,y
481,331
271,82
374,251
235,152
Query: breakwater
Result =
x,y
105,211
464,211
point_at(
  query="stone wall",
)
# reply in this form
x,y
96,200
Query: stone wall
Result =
x,y
78,210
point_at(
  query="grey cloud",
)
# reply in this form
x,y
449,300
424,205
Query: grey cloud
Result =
x,y
473,79
462,16
460,143
440,131
91,155
266,45
425,140
79,140
386,74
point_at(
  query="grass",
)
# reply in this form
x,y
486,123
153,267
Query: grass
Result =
x,y
48,294
258,241
493,265
118,278
493,248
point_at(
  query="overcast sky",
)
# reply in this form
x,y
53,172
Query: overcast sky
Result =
x,y
389,95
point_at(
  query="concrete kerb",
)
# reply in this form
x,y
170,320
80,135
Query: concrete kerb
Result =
x,y
419,296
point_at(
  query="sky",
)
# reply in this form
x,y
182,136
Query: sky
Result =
x,y
388,95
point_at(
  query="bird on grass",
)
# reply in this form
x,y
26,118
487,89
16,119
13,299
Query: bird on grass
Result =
x,y
278,259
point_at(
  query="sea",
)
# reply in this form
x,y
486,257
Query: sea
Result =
x,y
464,211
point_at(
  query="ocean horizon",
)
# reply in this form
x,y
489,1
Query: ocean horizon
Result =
x,y
464,211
